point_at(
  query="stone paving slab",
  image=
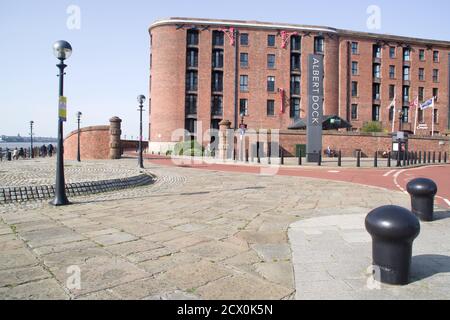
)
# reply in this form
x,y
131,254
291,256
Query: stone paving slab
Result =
x,y
192,235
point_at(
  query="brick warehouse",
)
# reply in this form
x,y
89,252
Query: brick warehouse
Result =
x,y
213,70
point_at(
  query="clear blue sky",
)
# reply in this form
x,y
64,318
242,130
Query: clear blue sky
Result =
x,y
110,62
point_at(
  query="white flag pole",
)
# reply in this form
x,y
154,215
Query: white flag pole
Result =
x,y
432,120
417,114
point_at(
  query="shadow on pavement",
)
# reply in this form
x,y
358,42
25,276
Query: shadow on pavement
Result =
x,y
426,266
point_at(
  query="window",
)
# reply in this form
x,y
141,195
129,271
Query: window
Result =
x,y
244,60
422,55
377,70
407,54
355,48
435,75
421,117
295,108
192,58
376,91
244,83
319,45
244,39
354,89
192,37
392,52
436,116
243,107
354,68
391,72
436,94
191,81
406,94
271,61
216,105
376,113
406,71
391,114
377,51
296,43
295,62
191,104
354,112
436,56
295,85
217,59
421,94
421,74
405,118
217,37
391,92
271,84
270,107
271,40
217,81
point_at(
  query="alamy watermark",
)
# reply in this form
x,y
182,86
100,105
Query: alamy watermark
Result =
x,y
374,19
73,21
73,282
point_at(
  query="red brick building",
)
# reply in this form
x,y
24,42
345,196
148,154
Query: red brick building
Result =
x,y
210,70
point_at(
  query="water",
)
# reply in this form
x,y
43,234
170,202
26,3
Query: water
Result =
x,y
18,145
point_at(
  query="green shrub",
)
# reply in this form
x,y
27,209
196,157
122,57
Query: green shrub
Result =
x,y
188,148
372,127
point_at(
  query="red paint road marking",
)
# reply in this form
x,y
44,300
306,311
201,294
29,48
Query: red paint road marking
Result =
x,y
383,178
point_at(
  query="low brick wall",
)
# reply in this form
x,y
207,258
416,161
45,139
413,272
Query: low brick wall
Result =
x,y
94,143
370,143
132,145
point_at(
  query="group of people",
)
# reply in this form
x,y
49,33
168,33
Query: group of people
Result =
x,y
23,153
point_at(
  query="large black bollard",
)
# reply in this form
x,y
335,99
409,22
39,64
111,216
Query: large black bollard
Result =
x,y
319,163
434,156
340,158
429,157
375,161
246,155
300,156
393,230
422,192
389,164
440,157
282,156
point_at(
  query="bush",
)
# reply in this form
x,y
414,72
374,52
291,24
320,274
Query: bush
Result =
x,y
188,148
372,127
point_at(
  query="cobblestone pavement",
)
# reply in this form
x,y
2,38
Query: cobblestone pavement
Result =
x,y
194,234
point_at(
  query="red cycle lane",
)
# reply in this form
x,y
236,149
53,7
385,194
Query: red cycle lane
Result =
x,y
394,179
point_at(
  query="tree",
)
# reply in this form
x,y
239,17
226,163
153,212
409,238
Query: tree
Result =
x,y
372,127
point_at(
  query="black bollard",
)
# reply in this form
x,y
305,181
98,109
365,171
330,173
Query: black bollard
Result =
x,y
8,156
416,158
440,157
422,192
358,159
404,159
425,157
319,163
375,161
445,157
300,160
340,159
246,156
393,230
389,160
282,156
434,156
429,157
420,157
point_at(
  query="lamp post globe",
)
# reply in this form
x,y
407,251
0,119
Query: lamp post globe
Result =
x,y
62,51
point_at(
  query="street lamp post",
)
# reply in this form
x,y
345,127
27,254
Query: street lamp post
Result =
x,y
141,101
79,114
31,140
62,50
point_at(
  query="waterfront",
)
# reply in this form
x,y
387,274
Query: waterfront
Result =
x,y
13,145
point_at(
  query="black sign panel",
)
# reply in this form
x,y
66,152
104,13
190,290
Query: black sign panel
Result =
x,y
315,108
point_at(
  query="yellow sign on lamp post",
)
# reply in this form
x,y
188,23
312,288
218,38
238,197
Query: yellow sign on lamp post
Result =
x,y
62,111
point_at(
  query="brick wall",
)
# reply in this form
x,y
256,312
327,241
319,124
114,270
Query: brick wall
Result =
x,y
94,143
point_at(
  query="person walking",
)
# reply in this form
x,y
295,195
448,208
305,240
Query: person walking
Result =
x,y
21,154
16,154
50,150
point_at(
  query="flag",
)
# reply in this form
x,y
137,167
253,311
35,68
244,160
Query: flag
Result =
x,y
427,104
415,103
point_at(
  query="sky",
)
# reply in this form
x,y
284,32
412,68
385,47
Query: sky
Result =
x,y
109,66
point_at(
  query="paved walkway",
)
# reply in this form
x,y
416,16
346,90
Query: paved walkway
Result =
x,y
195,234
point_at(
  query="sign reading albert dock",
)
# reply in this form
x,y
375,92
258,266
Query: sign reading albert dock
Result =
x,y
315,108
